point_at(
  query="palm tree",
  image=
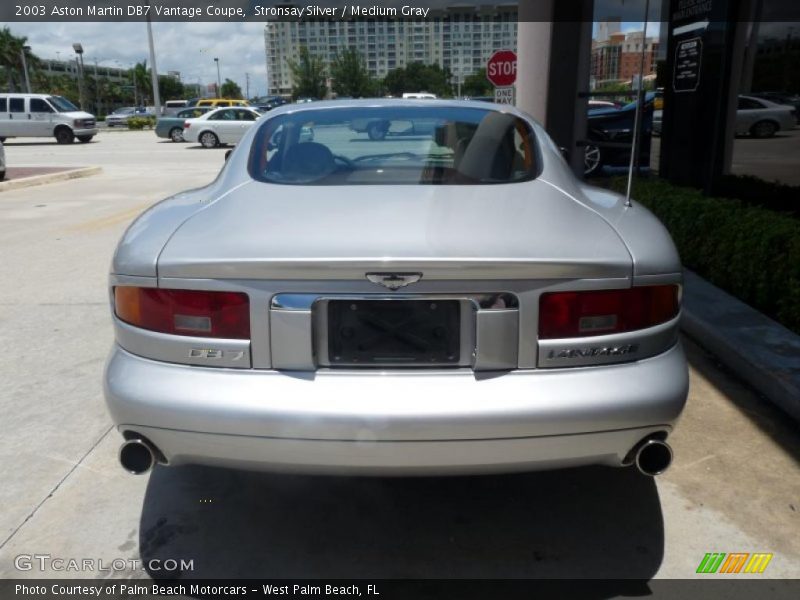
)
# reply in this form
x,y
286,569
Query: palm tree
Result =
x,y
11,48
141,79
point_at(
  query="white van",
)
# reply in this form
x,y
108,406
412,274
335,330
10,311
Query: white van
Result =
x,y
173,107
43,115
419,96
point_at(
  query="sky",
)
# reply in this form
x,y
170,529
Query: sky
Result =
x,y
189,48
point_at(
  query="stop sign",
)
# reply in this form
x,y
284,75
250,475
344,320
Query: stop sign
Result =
x,y
501,69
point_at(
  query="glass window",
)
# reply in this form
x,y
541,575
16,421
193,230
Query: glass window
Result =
x,y
246,115
16,105
62,104
749,103
40,106
394,145
223,115
3,105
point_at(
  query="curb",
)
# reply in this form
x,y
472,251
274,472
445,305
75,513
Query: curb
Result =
x,y
15,184
762,352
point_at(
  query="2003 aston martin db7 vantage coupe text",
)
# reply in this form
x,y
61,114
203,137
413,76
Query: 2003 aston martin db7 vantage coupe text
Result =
x,y
443,298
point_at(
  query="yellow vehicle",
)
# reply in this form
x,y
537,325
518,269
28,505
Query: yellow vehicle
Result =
x,y
220,102
658,101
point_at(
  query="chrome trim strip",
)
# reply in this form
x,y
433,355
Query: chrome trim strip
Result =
x,y
483,301
660,279
134,280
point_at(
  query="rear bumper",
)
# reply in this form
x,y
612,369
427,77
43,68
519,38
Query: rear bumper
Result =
x,y
395,422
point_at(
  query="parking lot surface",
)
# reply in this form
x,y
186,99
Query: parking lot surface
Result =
x,y
771,159
734,487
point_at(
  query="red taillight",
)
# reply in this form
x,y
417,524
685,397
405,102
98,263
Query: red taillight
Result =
x,y
185,312
186,124
600,312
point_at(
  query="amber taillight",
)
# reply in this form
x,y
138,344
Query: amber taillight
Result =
x,y
602,312
185,312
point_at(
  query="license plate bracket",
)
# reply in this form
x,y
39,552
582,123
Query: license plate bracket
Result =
x,y
394,332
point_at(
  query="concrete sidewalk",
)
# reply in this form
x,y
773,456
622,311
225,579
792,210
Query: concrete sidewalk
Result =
x,y
761,351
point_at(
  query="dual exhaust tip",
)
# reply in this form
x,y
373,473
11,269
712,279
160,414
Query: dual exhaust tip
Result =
x,y
652,456
137,456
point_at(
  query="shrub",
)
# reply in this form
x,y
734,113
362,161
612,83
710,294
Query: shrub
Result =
x,y
750,252
141,122
758,192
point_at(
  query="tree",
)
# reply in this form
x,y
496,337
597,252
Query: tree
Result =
x,y
350,75
230,89
476,84
308,72
419,77
140,75
11,49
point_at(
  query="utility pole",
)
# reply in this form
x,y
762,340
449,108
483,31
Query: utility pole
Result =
x,y
247,86
79,64
25,68
219,81
96,89
153,68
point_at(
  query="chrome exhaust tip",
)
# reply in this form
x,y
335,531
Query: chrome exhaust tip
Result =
x,y
136,456
653,457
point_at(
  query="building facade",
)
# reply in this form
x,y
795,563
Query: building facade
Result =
x,y
459,39
616,57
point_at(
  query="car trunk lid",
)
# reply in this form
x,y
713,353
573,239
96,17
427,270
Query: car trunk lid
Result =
x,y
508,231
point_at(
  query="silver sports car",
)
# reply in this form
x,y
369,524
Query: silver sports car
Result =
x,y
449,302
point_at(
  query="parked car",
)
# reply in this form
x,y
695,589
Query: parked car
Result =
x,y
762,118
173,107
756,117
610,136
44,115
172,127
270,102
454,304
221,102
592,104
220,126
2,162
419,96
785,98
378,129
119,118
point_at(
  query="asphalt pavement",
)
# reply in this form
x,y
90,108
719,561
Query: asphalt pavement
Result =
x,y
734,486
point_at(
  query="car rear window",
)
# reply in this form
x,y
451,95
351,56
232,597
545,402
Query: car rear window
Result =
x,y
394,145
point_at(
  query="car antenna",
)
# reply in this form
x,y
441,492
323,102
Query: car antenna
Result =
x,y
637,114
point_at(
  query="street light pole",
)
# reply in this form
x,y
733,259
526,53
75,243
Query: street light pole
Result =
x,y
25,67
79,61
219,81
153,68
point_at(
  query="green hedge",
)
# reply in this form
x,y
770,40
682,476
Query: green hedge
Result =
x,y
141,122
750,252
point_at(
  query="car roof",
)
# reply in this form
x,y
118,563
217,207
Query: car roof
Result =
x,y
26,95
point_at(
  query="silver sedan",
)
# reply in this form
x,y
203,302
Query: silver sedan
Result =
x,y
756,117
448,302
